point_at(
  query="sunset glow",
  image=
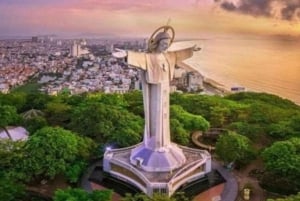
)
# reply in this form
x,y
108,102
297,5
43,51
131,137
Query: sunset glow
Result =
x,y
190,18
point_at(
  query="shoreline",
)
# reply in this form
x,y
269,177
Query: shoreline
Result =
x,y
213,86
210,86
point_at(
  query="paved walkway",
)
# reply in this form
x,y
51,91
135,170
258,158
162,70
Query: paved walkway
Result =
x,y
230,191
212,194
85,183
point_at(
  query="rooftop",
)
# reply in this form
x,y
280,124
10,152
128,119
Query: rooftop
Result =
x,y
17,133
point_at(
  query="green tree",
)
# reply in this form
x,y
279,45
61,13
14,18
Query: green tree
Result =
x,y
269,99
252,131
87,149
233,147
191,122
281,130
116,100
34,124
219,116
182,123
58,113
37,101
143,197
16,99
65,92
295,124
8,116
178,133
50,151
283,158
76,194
136,197
74,171
217,110
75,100
107,124
279,184
261,113
127,129
10,190
289,198
135,103
10,152
194,104
90,120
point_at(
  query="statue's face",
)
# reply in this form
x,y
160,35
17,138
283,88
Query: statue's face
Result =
x,y
163,45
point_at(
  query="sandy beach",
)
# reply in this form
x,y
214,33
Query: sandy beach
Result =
x,y
211,86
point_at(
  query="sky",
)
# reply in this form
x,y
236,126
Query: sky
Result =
x,y
190,18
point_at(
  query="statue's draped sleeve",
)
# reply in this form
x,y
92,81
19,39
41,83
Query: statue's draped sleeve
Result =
x,y
137,59
184,54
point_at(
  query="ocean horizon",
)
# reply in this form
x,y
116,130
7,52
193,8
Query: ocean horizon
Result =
x,y
261,65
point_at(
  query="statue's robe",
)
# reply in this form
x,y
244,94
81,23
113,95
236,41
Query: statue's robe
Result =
x,y
158,71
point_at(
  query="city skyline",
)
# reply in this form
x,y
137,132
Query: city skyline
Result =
x,y
190,18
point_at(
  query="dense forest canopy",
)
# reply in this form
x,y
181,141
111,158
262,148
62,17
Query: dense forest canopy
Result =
x,y
67,131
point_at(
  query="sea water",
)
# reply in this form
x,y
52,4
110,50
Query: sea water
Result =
x,y
262,64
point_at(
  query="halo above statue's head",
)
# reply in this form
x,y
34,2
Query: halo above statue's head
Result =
x,y
159,35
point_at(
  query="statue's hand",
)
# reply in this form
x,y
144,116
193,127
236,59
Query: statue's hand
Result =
x,y
196,48
119,53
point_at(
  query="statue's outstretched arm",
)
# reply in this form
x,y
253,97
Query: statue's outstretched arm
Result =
x,y
134,59
137,59
185,53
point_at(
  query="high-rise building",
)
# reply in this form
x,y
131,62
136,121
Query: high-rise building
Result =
x,y
75,49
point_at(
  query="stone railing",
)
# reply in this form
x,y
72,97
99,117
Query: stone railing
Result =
x,y
133,175
182,177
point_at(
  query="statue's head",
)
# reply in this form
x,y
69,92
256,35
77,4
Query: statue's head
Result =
x,y
160,39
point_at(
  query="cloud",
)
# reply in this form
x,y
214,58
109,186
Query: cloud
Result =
x,y
228,6
281,9
291,11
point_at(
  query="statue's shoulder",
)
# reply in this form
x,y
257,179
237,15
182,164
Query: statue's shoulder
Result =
x,y
170,54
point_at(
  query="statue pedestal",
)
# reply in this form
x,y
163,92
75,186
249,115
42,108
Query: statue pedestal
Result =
x,y
164,177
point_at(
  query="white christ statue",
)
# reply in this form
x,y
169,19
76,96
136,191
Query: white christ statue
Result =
x,y
157,153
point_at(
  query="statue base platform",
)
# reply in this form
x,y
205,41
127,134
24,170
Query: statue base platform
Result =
x,y
164,159
124,164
